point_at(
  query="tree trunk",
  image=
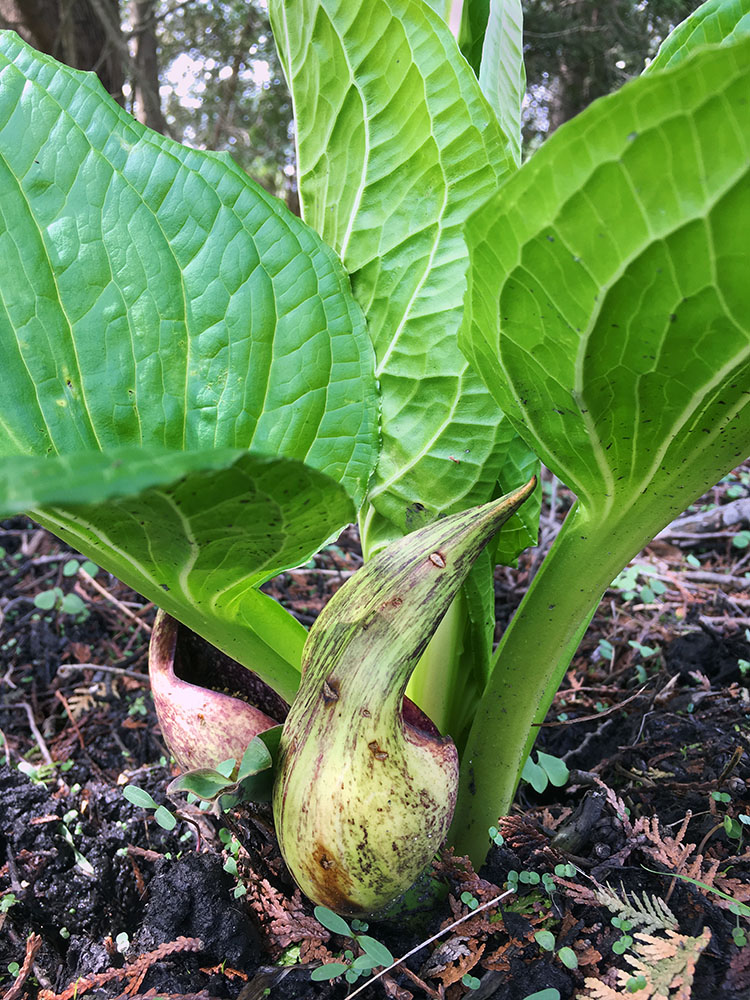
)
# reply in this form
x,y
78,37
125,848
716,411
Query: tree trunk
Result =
x,y
75,32
146,66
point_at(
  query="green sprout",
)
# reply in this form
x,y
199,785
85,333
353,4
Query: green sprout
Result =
x,y
374,954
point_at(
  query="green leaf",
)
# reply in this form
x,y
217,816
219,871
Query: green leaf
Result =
x,y
474,17
166,819
568,958
139,797
332,921
608,303
72,604
535,775
272,737
502,75
47,599
375,950
164,320
256,758
392,151
545,940
717,22
204,782
555,768
329,971
199,547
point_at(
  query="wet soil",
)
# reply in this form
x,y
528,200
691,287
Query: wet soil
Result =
x,y
629,880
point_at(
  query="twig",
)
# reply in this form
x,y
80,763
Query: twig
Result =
x,y
64,702
33,943
419,947
34,729
595,715
113,600
68,668
705,576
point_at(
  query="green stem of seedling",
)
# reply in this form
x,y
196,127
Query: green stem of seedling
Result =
x,y
530,664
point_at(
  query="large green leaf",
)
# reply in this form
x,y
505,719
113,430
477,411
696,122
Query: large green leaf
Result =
x,y
609,310
474,17
396,143
160,316
713,23
609,306
502,74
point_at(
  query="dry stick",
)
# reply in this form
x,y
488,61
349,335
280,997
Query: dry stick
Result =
x,y
113,600
65,669
595,715
34,729
419,947
63,701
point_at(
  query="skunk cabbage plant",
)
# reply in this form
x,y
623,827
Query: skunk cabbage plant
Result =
x,y
366,785
201,389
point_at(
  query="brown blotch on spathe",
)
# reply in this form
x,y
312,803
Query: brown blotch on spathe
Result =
x,y
330,691
375,750
437,559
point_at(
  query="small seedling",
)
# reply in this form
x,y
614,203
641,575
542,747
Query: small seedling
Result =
x,y
468,899
138,706
8,900
630,586
636,983
140,797
645,651
471,981
605,649
496,837
72,566
250,780
547,770
546,941
374,954
232,846
67,604
623,943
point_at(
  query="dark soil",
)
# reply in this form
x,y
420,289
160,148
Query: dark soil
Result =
x,y
653,722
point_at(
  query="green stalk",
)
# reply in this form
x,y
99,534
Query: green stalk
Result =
x,y
271,645
531,661
433,684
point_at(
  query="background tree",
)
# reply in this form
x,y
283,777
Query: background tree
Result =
x,y
206,72
578,50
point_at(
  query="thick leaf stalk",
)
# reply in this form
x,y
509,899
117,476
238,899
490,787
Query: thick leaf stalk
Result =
x,y
366,785
201,727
